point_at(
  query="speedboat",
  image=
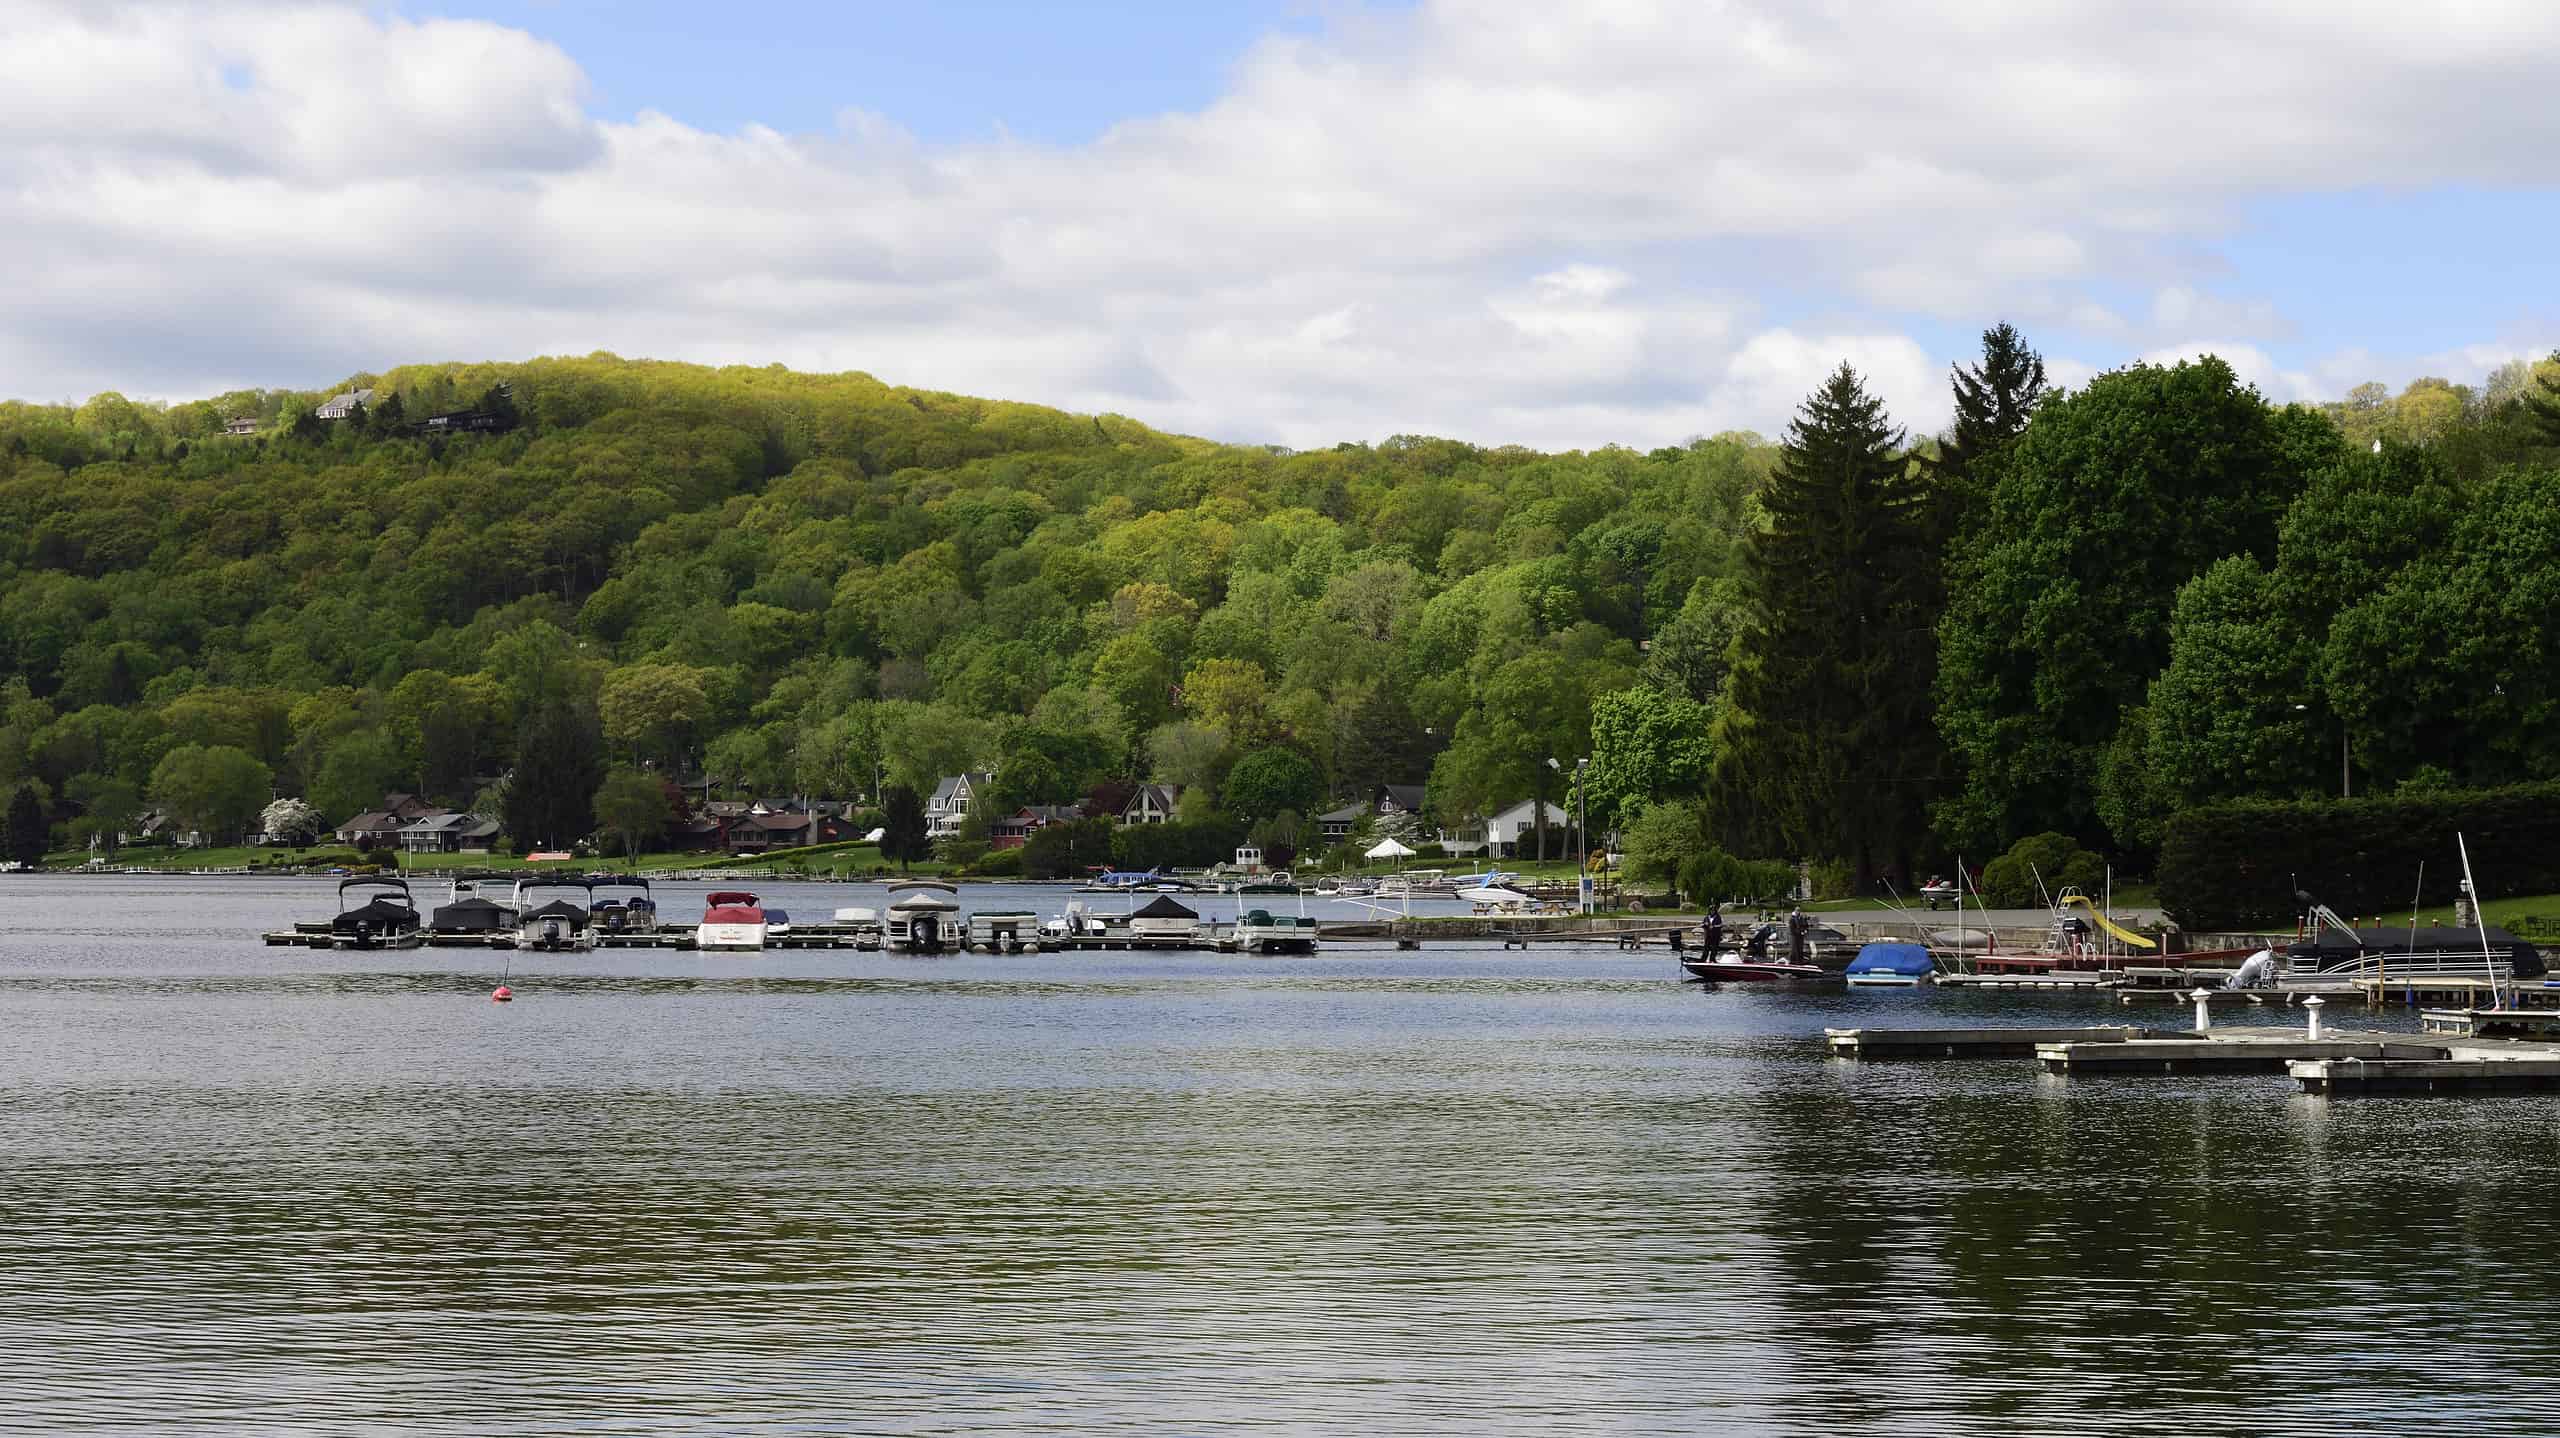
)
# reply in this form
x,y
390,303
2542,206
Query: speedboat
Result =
x,y
1740,968
1164,921
732,922
1076,923
386,920
557,926
924,918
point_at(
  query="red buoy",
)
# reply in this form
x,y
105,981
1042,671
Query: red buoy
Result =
x,y
502,995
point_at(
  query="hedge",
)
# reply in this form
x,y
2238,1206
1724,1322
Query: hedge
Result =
x,y
2237,865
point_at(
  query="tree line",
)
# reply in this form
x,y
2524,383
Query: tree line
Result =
x,y
2068,613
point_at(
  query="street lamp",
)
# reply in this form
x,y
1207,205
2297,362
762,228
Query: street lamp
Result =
x,y
1582,835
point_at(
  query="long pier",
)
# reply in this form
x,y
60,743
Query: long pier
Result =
x,y
2332,1063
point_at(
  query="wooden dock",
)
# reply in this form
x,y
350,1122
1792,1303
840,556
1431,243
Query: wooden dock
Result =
x,y
2468,1073
2267,1051
1967,1043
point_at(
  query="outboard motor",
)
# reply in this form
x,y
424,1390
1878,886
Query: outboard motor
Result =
x,y
927,933
2258,971
551,933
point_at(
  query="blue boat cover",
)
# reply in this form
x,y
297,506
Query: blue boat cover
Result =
x,y
1910,960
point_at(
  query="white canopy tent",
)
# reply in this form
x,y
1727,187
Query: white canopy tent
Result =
x,y
1389,849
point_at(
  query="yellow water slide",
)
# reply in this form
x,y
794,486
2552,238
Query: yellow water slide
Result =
x,y
2113,928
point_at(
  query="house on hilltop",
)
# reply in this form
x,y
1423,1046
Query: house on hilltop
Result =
x,y
949,807
339,406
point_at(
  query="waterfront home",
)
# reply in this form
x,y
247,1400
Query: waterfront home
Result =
x,y
449,834
1501,835
949,806
1015,829
1387,801
1152,804
760,832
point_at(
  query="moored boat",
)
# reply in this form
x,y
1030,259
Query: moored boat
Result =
x,y
1741,968
557,925
466,913
1163,921
1892,965
924,918
732,922
388,919
1259,931
635,912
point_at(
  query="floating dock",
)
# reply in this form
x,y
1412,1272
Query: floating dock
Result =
x,y
2336,1063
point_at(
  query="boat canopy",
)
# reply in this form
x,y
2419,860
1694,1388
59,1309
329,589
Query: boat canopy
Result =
x,y
924,901
2328,945
1164,908
380,913
556,909
730,896
1906,960
471,915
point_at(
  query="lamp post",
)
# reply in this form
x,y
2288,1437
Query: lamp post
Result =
x,y
1581,836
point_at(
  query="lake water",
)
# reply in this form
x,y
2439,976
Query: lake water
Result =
x,y
1456,1191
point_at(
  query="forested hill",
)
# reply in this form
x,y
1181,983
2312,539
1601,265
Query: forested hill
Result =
x,y
2075,611
797,580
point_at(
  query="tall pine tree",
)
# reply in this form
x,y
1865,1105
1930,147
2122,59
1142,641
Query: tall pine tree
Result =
x,y
1828,750
27,833
1994,401
550,801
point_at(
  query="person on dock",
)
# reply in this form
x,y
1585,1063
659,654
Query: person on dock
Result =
x,y
1797,924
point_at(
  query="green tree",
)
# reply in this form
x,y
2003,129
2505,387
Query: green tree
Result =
x,y
360,769
1827,749
550,796
2059,613
1646,745
1994,400
28,834
654,710
633,806
1269,781
904,823
109,805
218,789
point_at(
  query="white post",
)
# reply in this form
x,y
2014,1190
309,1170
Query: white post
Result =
x,y
2314,1004
2204,1008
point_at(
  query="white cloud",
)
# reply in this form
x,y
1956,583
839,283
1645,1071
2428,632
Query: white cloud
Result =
x,y
1499,219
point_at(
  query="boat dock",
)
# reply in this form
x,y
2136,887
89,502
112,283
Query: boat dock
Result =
x,y
2331,1062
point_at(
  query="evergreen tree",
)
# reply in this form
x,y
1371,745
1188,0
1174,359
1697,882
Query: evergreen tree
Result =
x,y
2542,403
27,834
1994,401
904,839
1827,750
550,799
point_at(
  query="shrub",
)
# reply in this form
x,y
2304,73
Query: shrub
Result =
x,y
1832,879
2237,865
2011,881
1000,863
1713,876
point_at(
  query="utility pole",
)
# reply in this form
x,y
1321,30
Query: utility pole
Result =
x,y
1581,836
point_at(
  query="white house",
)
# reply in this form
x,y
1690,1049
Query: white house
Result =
x,y
339,406
1501,834
949,806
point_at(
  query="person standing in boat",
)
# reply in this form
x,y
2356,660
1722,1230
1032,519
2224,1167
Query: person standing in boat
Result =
x,y
1711,930
1797,923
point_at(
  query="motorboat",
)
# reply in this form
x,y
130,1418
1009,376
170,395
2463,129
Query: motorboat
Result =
x,y
1892,966
467,913
558,925
635,912
1148,881
924,918
732,922
1077,922
1729,967
777,923
1004,931
1330,888
1497,899
376,914
1163,921
1260,931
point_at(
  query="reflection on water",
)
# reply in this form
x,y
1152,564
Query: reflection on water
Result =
x,y
255,1190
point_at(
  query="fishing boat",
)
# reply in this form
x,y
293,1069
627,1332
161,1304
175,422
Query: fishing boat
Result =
x,y
732,922
555,926
1728,967
1260,931
635,912
1076,922
1892,966
384,919
924,918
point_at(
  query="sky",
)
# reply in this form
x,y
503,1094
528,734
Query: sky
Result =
x,y
1282,221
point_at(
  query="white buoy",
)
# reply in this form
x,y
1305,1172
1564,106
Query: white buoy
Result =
x,y
2204,1008
2314,1005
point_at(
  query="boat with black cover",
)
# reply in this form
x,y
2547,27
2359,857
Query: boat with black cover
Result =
x,y
467,914
557,926
387,919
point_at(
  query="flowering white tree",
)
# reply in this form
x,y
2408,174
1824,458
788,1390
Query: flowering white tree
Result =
x,y
291,821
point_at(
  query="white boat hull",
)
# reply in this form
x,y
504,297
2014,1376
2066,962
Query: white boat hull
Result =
x,y
730,938
1886,981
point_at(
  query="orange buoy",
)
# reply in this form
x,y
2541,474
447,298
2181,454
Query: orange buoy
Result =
x,y
502,995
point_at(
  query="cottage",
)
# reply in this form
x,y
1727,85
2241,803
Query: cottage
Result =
x,y
1501,835
1015,829
759,833
339,406
375,828
449,834
1152,804
1386,802
244,424
949,806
